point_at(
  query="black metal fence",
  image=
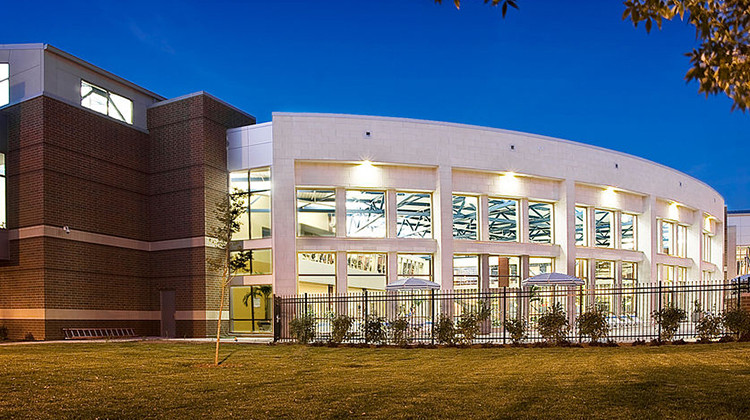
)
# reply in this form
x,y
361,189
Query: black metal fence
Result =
x,y
629,309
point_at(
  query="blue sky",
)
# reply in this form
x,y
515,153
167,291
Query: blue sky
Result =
x,y
572,70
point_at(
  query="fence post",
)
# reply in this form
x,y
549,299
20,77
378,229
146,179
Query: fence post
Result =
x,y
432,316
276,318
364,314
659,336
505,309
304,313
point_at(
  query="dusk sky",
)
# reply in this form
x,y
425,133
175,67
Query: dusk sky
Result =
x,y
572,70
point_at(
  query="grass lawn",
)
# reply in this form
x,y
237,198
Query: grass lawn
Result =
x,y
175,380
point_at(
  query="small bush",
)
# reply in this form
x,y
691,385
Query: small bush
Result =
x,y
708,327
3,333
516,327
399,331
469,325
373,330
29,337
340,328
737,321
444,331
553,324
593,323
302,328
669,319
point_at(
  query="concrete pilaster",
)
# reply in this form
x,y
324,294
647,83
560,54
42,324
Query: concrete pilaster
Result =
x,y
484,219
340,212
564,225
484,272
390,213
443,222
341,280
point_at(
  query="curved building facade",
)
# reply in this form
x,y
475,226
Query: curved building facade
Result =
x,y
107,193
342,203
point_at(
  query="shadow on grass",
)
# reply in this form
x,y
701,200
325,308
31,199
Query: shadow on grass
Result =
x,y
221,362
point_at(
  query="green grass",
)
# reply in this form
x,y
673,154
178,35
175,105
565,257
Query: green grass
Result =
x,y
171,380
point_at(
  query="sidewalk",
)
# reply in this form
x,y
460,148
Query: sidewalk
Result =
x,y
227,340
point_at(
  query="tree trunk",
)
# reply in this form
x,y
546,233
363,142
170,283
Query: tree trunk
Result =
x,y
218,325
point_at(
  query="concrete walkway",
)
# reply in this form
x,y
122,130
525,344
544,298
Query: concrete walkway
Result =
x,y
227,340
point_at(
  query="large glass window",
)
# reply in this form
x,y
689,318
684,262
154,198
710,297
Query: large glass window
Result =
x,y
505,271
365,214
105,102
316,213
503,219
681,241
250,308
540,223
666,274
667,238
413,215
255,187
581,226
582,270
4,84
366,272
627,231
605,282
466,272
259,203
540,265
706,247
316,272
603,228
629,283
465,217
260,263
743,260
415,265
238,184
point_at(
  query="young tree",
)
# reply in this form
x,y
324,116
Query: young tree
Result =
x,y
227,212
721,63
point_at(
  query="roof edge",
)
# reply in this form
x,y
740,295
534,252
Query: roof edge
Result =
x,y
199,93
86,64
491,129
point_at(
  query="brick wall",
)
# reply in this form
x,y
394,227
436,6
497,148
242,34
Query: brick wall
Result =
x,y
71,167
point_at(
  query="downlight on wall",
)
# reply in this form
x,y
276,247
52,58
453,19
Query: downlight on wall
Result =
x,y
509,183
366,174
609,197
674,210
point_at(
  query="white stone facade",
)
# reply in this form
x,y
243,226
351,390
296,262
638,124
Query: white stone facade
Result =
x,y
327,151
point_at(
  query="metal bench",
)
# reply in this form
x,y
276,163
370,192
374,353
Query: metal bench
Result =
x,y
97,333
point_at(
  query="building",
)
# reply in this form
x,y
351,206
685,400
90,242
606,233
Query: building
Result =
x,y
738,243
110,189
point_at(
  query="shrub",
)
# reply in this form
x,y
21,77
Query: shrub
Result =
x,y
29,337
373,330
444,331
669,319
516,327
553,324
737,321
470,324
302,328
708,326
593,323
3,333
399,330
340,328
